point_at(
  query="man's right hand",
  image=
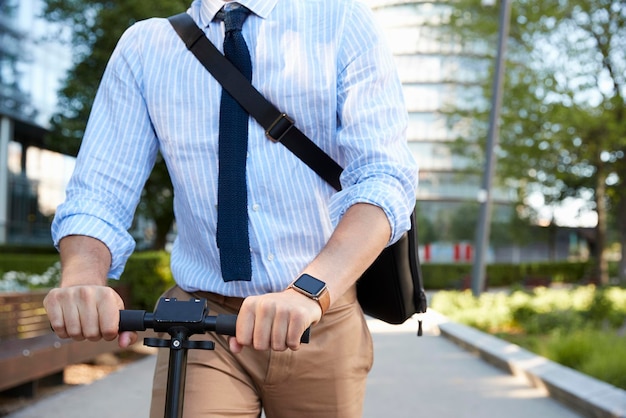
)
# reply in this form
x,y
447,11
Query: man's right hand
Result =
x,y
84,307
87,312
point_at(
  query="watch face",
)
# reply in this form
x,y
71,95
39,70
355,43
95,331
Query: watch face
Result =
x,y
310,284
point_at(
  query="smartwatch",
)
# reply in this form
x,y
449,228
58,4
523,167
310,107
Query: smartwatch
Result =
x,y
312,288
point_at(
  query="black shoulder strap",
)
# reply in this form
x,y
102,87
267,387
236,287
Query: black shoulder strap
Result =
x,y
278,126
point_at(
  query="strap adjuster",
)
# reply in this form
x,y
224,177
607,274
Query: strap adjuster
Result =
x,y
279,128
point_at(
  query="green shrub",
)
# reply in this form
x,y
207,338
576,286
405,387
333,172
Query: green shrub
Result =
x,y
148,275
444,276
595,353
599,309
576,327
570,349
543,323
490,312
27,263
453,275
23,249
536,312
617,296
607,361
18,281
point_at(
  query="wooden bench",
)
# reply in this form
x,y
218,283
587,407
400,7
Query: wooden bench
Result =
x,y
22,315
29,350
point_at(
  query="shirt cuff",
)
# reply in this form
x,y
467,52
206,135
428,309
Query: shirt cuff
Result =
x,y
119,242
395,205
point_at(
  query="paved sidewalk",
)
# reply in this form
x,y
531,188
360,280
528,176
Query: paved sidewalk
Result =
x,y
432,377
412,377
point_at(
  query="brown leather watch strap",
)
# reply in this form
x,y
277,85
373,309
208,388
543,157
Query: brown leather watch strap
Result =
x,y
324,301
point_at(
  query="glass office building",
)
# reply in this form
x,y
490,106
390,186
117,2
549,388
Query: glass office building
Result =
x,y
33,61
436,75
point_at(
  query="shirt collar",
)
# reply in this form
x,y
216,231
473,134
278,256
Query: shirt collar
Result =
x,y
209,8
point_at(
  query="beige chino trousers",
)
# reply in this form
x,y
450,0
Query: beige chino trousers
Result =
x,y
323,379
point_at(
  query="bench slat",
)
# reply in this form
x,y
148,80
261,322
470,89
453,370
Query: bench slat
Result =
x,y
22,315
28,348
26,360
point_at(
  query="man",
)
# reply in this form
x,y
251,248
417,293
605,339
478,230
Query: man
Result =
x,y
324,63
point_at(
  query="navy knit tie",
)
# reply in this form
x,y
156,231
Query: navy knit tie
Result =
x,y
232,200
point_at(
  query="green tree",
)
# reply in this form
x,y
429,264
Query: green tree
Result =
x,y
460,228
427,233
562,123
95,29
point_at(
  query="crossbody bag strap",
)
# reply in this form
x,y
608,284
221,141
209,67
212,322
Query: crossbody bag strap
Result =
x,y
279,127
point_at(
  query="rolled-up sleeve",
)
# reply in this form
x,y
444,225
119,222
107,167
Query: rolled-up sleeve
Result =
x,y
116,156
372,123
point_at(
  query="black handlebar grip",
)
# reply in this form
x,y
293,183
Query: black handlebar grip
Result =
x,y
306,337
132,320
226,324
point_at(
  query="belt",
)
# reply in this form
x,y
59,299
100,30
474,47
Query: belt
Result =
x,y
226,301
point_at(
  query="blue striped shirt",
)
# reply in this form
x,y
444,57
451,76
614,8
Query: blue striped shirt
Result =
x,y
323,62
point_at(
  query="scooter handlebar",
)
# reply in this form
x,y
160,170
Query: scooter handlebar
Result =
x,y
138,320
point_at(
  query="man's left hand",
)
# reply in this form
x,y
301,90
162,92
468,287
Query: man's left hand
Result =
x,y
274,321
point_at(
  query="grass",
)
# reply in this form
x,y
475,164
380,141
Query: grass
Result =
x,y
583,328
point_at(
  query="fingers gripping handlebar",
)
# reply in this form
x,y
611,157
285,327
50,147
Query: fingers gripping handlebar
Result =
x,y
180,319
192,316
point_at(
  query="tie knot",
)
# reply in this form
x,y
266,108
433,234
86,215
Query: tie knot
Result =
x,y
233,15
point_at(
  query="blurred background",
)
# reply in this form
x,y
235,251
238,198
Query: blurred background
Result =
x,y
556,227
559,160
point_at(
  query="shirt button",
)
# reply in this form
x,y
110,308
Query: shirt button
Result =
x,y
256,207
270,257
